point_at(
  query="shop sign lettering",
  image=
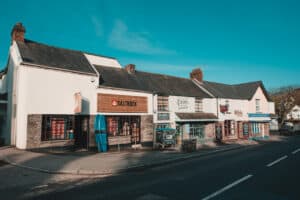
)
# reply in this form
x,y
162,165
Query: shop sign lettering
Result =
x,y
182,103
238,113
123,103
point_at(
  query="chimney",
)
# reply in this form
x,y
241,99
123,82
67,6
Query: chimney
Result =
x,y
18,32
130,68
197,74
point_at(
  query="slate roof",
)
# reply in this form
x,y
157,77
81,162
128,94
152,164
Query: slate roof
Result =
x,y
54,57
149,82
199,115
237,91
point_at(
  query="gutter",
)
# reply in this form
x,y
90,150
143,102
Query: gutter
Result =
x,y
26,64
124,89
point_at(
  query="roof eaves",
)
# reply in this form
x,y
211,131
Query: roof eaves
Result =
x,y
125,89
58,69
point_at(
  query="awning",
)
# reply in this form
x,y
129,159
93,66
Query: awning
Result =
x,y
196,117
259,117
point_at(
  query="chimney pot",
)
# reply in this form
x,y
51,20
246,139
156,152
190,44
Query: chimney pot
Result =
x,y
130,68
18,32
197,74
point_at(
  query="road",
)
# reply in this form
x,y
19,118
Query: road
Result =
x,y
268,171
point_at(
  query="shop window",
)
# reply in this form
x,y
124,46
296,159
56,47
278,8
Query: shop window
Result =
x,y
229,127
197,131
255,128
123,126
246,129
163,116
56,127
257,105
163,125
198,105
163,103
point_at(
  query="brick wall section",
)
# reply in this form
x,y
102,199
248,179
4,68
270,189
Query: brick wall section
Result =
x,y
34,131
210,131
267,129
147,127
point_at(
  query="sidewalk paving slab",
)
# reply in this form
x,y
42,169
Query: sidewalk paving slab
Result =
x,y
104,163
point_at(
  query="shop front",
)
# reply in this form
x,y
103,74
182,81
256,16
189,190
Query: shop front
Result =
x,y
259,125
199,126
128,123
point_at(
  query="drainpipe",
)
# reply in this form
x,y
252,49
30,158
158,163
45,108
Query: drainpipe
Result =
x,y
217,101
154,95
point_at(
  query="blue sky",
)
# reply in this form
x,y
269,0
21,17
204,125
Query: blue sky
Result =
x,y
233,41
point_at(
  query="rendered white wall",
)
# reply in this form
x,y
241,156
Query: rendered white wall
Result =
x,y
52,91
210,106
271,107
264,104
234,105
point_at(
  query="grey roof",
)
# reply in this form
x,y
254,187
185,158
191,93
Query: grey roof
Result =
x,y
149,82
54,57
199,115
237,91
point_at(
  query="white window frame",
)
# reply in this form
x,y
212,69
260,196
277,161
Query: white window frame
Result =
x,y
198,105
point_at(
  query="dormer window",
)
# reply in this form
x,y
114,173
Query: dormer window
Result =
x,y
257,105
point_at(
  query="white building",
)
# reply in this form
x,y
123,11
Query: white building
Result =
x,y
294,114
50,96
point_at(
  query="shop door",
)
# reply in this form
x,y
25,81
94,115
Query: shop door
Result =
x,y
135,130
81,131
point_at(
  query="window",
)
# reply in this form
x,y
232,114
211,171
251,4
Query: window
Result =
x,y
163,125
56,127
229,127
163,116
198,105
227,105
123,126
257,105
245,129
255,128
197,131
163,103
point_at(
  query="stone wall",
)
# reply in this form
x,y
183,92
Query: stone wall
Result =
x,y
34,135
147,129
34,131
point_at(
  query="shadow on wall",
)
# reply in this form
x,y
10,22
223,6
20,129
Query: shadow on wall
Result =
x,y
85,105
4,137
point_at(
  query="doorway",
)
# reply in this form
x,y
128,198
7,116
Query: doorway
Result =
x,y
82,131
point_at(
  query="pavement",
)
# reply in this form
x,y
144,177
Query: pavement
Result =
x,y
86,163
268,171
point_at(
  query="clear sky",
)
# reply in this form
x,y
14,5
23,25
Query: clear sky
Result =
x,y
233,41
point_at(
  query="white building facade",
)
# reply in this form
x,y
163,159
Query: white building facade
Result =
x,y
51,96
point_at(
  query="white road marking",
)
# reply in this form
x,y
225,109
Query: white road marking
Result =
x,y
228,187
296,151
277,161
